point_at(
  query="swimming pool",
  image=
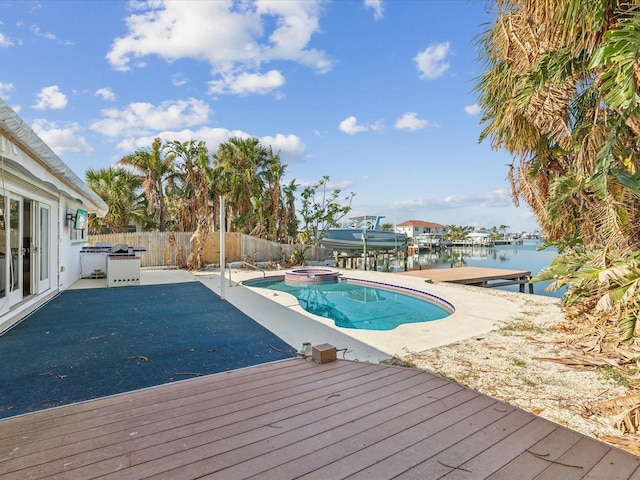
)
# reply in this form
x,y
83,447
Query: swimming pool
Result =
x,y
361,304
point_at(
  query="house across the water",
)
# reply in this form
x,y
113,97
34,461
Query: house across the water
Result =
x,y
415,228
43,220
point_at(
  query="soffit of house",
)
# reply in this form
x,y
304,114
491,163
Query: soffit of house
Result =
x,y
63,178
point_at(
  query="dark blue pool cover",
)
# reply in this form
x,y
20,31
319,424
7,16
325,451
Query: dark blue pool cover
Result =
x,y
91,343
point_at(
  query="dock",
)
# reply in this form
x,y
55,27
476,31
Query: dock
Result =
x,y
477,276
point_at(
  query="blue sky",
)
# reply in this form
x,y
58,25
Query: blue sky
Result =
x,y
376,94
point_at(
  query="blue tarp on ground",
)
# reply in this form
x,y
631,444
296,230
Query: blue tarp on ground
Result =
x,y
91,343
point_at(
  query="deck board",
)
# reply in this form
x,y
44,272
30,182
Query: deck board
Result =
x,y
298,419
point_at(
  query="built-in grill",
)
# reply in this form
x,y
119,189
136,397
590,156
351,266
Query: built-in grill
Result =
x,y
119,264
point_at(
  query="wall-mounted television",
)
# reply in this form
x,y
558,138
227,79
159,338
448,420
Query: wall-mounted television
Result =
x,y
82,218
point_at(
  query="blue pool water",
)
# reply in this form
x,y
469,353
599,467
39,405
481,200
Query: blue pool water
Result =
x,y
353,305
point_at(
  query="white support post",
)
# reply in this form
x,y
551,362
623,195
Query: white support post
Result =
x,y
223,259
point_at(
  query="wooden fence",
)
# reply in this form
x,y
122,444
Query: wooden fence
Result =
x,y
173,248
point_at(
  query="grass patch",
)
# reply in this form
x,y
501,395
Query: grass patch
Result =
x,y
615,375
521,326
398,362
518,362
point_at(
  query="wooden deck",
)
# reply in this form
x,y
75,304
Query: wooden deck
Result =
x,y
479,276
298,419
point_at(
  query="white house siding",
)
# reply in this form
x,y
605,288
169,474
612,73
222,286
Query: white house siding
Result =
x,y
37,190
415,230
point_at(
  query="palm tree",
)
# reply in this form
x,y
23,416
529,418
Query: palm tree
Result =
x,y
275,194
289,219
544,102
240,171
191,186
192,194
119,189
154,169
560,93
455,232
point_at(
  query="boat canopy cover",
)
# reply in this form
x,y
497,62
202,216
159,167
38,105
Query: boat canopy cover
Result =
x,y
371,222
30,142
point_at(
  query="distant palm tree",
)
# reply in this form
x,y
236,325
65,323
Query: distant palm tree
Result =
x,y
274,203
191,192
240,171
289,219
154,168
191,188
455,232
119,189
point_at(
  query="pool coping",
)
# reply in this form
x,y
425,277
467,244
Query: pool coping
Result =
x,y
477,311
390,287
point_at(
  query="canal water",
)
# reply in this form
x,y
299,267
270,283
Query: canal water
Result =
x,y
508,257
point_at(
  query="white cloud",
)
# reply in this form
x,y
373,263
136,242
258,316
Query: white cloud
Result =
x,y
36,31
247,83
61,139
142,118
240,37
4,41
497,198
106,93
350,126
432,61
410,121
376,6
473,109
178,79
5,88
376,127
290,147
51,98
340,185
409,204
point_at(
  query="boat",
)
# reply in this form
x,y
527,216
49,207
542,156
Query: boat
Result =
x,y
363,233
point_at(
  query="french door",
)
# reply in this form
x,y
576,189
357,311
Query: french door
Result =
x,y
42,246
25,248
15,257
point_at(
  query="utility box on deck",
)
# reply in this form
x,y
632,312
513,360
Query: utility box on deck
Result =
x,y
323,353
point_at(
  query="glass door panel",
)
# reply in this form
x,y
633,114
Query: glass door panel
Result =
x,y
15,249
42,248
4,266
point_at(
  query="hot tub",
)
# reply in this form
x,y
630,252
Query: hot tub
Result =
x,y
311,275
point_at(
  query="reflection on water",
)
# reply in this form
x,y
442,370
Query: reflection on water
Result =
x,y
509,257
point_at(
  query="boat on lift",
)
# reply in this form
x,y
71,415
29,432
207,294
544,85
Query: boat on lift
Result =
x,y
363,233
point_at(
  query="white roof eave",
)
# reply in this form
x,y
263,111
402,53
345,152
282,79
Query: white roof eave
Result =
x,y
35,146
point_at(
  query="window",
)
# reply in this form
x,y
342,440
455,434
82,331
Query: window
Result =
x,y
77,235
